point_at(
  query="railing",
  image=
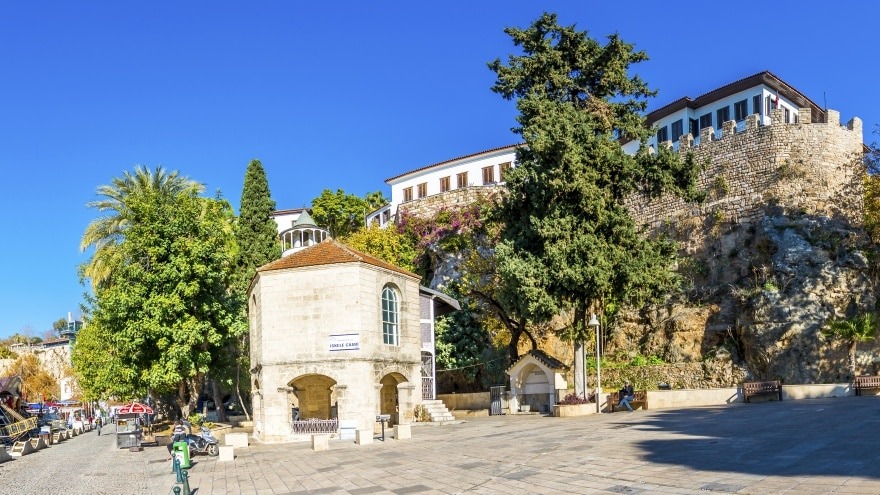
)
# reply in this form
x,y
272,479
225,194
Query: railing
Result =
x,y
316,426
428,388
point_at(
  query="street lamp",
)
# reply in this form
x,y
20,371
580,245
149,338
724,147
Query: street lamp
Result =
x,y
594,322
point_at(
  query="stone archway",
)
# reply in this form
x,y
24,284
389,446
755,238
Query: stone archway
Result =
x,y
535,382
313,397
389,396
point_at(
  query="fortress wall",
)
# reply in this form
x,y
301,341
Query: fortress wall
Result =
x,y
813,167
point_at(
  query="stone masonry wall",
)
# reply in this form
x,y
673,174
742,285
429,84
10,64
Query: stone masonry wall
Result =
x,y
809,166
455,198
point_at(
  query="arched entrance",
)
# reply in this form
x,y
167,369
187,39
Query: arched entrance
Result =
x,y
312,397
535,381
389,400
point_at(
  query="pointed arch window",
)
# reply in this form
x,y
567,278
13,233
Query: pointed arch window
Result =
x,y
390,316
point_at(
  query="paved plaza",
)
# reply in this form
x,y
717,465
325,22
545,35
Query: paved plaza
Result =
x,y
798,447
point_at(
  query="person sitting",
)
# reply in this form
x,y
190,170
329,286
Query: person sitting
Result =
x,y
626,395
178,434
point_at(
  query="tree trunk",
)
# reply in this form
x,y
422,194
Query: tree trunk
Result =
x,y
244,408
188,394
218,402
852,358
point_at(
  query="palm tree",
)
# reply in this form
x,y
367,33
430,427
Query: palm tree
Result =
x,y
862,328
106,232
375,199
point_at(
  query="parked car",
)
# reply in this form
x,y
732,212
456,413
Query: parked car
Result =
x,y
52,420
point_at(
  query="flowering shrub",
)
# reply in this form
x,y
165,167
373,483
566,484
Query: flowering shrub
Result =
x,y
451,229
572,399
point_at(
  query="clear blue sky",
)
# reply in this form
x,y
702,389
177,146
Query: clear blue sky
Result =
x,y
336,95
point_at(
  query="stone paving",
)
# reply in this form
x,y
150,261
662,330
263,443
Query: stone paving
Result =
x,y
805,447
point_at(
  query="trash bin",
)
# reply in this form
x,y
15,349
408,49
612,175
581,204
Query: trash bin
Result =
x,y
180,450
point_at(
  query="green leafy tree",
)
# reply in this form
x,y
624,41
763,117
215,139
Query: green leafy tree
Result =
x,y
106,232
466,346
386,244
59,326
25,337
339,212
162,316
481,281
568,241
862,328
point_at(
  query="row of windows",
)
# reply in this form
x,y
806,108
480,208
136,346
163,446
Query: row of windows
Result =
x,y
740,112
461,180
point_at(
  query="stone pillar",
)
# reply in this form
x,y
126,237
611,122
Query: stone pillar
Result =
x,y
707,134
363,437
832,116
227,453
805,116
728,129
406,402
342,404
321,442
855,124
686,142
752,121
402,432
257,413
777,116
512,398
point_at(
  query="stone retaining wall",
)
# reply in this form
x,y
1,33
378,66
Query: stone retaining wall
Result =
x,y
807,165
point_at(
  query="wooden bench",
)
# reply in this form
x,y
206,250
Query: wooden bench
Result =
x,y
865,382
751,389
640,397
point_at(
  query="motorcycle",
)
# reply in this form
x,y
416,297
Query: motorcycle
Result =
x,y
203,443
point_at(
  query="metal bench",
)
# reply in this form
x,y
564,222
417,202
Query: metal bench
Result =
x,y
865,382
640,397
751,389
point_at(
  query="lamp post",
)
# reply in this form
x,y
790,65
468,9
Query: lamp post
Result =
x,y
594,322
584,367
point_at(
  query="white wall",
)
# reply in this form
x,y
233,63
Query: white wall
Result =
x,y
284,221
431,176
686,114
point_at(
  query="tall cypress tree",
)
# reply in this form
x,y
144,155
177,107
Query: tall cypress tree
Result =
x,y
257,237
256,232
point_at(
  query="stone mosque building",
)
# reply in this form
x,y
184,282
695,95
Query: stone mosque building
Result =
x,y
338,337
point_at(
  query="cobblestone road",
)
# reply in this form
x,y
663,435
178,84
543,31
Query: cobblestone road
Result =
x,y
86,464
803,447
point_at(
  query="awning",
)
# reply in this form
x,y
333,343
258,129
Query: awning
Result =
x,y
135,408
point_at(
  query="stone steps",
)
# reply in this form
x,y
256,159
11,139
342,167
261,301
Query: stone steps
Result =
x,y
437,411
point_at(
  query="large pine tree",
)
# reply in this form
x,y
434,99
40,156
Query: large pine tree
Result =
x,y
569,243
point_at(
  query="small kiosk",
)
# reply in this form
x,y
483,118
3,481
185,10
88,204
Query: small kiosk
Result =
x,y
129,431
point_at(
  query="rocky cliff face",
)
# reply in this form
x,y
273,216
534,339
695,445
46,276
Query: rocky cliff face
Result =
x,y
776,251
761,293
